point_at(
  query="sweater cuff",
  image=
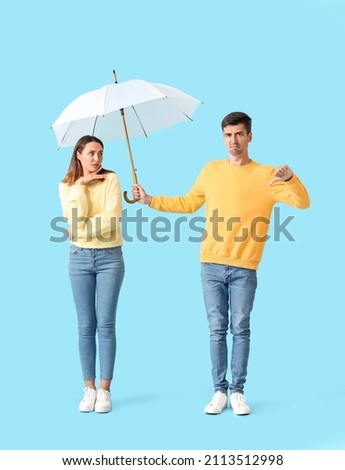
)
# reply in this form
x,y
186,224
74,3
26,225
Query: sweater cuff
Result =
x,y
292,181
153,204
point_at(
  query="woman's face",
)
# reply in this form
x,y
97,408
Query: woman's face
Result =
x,y
91,158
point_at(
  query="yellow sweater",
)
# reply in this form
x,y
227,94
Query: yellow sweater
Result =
x,y
93,212
238,207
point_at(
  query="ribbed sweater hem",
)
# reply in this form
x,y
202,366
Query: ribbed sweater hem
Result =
x,y
96,245
240,263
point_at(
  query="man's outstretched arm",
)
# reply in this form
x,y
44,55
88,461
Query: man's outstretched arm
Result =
x,y
188,203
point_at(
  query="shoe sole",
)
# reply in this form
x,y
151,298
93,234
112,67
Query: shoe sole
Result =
x,y
103,411
240,414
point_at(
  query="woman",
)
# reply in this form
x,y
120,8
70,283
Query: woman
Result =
x,y
91,202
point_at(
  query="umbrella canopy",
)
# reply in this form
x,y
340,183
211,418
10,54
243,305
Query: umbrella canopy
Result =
x,y
133,108
148,107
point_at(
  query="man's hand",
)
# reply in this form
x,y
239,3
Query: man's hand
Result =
x,y
282,173
140,195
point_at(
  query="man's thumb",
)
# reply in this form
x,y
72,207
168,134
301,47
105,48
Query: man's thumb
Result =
x,y
273,181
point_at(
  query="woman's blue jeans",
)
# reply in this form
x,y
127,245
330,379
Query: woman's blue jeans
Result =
x,y
228,288
96,277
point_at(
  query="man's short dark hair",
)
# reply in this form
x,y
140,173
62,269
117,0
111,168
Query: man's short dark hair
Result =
x,y
237,117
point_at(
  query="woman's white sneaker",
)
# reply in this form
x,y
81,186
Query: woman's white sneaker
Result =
x,y
88,402
217,404
103,402
238,404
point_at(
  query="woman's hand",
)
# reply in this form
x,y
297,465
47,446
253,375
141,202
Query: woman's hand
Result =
x,y
90,178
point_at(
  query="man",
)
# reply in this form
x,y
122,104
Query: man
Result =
x,y
239,195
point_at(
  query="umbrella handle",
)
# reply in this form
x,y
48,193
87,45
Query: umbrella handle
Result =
x,y
130,201
135,181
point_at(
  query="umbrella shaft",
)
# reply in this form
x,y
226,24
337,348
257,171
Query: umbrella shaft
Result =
x,y
134,174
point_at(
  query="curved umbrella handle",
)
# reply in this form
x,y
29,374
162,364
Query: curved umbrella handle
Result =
x,y
130,201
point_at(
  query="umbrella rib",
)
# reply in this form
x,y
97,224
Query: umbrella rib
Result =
x,y
94,126
141,125
65,135
165,98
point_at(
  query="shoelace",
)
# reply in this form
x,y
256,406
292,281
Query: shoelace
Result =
x,y
102,395
240,400
87,393
216,399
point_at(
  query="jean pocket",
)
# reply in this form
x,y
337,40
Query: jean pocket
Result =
x,y
74,250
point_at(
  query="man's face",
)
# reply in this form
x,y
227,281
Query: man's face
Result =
x,y
236,139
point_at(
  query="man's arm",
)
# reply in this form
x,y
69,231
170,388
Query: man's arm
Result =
x,y
187,203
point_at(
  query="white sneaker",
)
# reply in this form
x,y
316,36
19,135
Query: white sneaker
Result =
x,y
238,404
103,403
88,402
217,404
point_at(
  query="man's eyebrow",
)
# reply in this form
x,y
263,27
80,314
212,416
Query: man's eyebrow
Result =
x,y
230,133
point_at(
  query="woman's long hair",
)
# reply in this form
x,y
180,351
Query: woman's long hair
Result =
x,y
75,169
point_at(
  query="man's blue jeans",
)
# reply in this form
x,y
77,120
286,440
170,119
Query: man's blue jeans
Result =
x,y
96,277
228,288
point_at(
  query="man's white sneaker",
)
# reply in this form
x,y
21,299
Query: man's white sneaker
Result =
x,y
88,402
103,403
238,404
217,404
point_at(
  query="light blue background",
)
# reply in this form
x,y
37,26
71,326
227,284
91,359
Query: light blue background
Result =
x,y
282,63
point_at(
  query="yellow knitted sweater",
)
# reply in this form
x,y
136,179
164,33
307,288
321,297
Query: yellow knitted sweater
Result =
x,y
238,204
93,212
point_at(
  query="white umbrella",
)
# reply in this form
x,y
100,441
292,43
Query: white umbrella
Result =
x,y
129,109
